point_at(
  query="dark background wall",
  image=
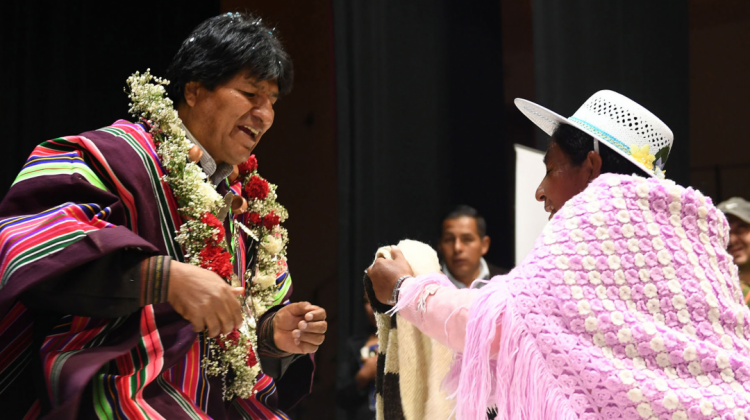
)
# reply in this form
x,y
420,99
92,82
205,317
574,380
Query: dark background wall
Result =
x,y
719,88
639,49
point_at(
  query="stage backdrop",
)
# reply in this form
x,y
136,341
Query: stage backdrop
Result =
x,y
639,49
530,215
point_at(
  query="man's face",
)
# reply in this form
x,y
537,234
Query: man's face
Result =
x,y
563,180
230,120
461,246
739,240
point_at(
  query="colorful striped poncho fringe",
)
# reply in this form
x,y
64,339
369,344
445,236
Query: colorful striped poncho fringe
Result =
x,y
76,199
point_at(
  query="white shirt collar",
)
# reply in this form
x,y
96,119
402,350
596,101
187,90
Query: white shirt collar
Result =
x,y
216,173
484,274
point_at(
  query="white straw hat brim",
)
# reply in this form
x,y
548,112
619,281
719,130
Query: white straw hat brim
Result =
x,y
549,120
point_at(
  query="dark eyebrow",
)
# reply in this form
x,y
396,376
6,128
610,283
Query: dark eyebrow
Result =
x,y
275,95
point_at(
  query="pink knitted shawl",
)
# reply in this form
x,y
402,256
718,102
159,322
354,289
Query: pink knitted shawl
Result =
x,y
627,307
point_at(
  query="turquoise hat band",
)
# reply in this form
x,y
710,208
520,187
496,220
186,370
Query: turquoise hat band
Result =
x,y
610,139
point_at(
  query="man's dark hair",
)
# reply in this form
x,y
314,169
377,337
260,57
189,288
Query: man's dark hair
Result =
x,y
225,45
577,145
468,211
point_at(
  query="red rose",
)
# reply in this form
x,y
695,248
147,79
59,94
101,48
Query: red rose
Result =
x,y
209,253
255,218
271,220
234,337
251,360
248,166
216,259
221,343
223,265
257,188
214,223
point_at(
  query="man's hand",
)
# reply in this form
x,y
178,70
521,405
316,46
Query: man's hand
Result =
x,y
299,328
204,299
384,274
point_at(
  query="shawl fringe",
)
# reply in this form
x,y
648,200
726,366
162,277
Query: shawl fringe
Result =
x,y
514,378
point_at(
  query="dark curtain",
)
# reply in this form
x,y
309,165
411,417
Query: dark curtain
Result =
x,y
419,130
392,135
636,48
480,156
64,64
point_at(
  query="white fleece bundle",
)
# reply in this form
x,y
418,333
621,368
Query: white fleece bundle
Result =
x,y
419,361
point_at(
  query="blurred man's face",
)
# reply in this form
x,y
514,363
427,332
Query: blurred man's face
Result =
x,y
461,247
739,240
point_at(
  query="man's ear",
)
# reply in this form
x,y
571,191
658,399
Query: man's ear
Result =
x,y
594,161
191,93
485,244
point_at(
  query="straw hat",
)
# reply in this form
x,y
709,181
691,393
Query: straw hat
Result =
x,y
616,122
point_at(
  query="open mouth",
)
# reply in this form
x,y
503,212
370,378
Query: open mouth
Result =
x,y
250,131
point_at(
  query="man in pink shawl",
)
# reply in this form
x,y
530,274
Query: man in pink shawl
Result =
x,y
627,307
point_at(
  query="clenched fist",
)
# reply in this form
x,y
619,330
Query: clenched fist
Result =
x,y
299,328
384,274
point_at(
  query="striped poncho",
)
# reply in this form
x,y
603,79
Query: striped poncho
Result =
x,y
76,200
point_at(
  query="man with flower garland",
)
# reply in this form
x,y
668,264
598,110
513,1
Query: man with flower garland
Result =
x,y
122,258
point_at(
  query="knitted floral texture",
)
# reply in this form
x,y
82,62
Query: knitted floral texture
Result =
x,y
628,307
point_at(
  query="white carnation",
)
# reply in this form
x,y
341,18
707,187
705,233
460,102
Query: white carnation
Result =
x,y
272,244
265,281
